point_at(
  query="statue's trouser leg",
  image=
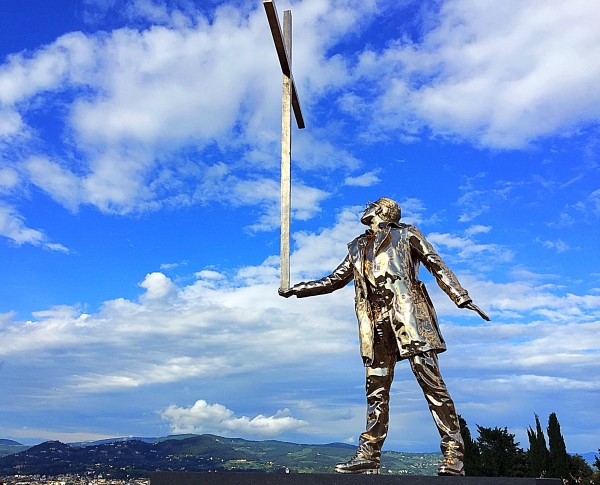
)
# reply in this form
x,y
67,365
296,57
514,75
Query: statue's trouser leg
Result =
x,y
379,377
427,372
379,380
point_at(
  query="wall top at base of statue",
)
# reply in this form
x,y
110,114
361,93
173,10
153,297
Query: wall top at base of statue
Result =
x,y
209,478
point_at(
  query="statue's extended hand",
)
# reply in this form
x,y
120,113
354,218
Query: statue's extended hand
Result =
x,y
286,293
475,308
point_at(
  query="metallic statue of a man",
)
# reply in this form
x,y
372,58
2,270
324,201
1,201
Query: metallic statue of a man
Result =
x,y
397,321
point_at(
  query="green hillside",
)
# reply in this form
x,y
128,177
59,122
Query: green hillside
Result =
x,y
137,458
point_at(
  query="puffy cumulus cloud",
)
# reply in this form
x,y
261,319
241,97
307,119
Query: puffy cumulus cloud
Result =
x,y
498,74
228,338
157,286
203,417
213,325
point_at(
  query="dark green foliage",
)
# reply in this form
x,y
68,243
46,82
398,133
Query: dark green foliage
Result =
x,y
597,461
578,467
538,451
472,458
500,454
559,459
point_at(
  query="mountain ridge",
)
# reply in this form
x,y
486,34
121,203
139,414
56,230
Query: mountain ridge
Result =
x,y
126,458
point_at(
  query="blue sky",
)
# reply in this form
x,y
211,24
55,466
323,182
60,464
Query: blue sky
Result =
x,y
139,153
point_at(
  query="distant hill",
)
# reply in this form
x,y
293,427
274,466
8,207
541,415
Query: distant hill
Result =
x,y
137,458
9,447
10,443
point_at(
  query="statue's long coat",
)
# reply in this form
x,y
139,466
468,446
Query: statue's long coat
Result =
x,y
393,268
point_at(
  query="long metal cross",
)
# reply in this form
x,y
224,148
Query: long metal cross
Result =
x,y
289,102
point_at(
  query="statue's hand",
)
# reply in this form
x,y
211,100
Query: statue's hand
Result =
x,y
286,293
471,306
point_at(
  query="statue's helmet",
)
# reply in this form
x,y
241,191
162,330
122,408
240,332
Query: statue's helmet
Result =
x,y
391,209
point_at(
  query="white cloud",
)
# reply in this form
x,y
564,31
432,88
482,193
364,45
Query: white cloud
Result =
x,y
13,227
466,248
141,107
203,417
57,181
135,97
477,229
9,179
10,123
317,254
181,342
498,74
209,274
558,245
367,179
305,202
413,212
157,286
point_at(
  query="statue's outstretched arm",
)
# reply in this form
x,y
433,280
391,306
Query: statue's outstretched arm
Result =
x,y
339,278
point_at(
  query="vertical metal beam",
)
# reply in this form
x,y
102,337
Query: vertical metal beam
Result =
x,y
286,157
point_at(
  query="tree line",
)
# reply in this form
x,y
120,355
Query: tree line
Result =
x,y
495,453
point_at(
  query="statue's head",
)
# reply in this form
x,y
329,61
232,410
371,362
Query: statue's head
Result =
x,y
386,209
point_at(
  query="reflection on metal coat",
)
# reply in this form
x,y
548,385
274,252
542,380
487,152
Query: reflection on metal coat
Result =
x,y
388,280
396,321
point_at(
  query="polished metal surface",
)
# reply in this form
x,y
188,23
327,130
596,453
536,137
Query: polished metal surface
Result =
x,y
397,321
289,103
284,56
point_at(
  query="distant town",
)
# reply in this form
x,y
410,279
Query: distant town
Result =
x,y
69,480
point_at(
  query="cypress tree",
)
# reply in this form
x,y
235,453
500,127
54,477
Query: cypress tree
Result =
x,y
472,457
538,452
559,459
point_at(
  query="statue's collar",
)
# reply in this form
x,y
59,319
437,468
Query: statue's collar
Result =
x,y
382,226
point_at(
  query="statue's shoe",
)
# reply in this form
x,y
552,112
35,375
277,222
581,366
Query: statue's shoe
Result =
x,y
451,467
358,464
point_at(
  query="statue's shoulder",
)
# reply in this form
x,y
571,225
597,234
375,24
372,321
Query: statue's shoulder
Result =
x,y
400,227
357,240
404,231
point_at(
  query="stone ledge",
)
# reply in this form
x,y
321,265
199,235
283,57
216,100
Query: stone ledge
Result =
x,y
241,478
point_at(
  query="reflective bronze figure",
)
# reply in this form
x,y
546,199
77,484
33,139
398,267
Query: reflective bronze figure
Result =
x,y
397,321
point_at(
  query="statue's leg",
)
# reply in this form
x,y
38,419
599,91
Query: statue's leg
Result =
x,y
368,455
427,372
379,377
378,383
